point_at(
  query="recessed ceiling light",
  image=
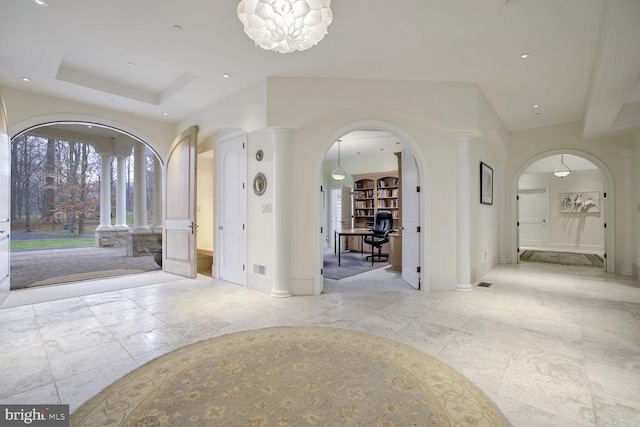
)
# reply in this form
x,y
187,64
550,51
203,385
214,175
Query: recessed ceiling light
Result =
x,y
525,55
26,79
177,28
42,3
165,114
536,106
89,126
382,149
111,100
226,75
538,113
131,64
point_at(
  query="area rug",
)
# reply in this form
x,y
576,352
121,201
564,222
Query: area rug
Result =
x,y
292,376
351,263
563,258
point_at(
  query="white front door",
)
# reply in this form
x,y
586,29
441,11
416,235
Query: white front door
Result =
x,y
410,220
179,249
5,203
232,208
533,211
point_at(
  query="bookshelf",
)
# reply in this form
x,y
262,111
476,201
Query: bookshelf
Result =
x,y
372,192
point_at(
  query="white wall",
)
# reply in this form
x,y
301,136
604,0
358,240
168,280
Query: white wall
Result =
x,y
485,249
575,230
26,109
205,201
319,111
260,236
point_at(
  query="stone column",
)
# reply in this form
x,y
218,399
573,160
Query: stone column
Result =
x,y
121,194
281,213
140,189
463,235
158,196
105,193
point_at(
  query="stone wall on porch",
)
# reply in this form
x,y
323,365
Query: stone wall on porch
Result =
x,y
137,243
111,238
143,243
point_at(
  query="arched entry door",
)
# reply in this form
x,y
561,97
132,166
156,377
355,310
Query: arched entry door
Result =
x,y
179,244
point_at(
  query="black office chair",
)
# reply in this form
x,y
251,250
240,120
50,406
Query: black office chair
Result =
x,y
382,226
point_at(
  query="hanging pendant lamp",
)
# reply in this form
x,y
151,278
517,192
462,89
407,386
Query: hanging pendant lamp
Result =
x,y
338,174
562,170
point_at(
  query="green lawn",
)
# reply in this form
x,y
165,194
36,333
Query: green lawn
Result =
x,y
22,245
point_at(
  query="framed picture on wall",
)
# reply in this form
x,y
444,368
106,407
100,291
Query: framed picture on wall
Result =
x,y
586,201
486,184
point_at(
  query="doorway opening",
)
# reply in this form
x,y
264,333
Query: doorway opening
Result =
x,y
562,211
380,168
62,231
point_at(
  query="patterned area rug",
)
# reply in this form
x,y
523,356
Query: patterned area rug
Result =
x,y
563,258
292,376
351,263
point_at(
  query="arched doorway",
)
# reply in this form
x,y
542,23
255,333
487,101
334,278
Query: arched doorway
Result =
x,y
570,223
77,186
383,159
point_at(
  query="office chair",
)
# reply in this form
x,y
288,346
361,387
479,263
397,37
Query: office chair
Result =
x,y
382,226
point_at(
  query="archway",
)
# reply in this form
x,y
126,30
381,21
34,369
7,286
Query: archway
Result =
x,y
409,146
608,202
108,144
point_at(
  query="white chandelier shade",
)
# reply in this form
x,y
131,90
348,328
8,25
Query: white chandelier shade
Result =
x,y
338,173
285,25
562,170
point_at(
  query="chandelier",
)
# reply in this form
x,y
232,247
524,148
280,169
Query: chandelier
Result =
x,y
285,25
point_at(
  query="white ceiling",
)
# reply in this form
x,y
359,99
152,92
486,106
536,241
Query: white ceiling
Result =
x,y
583,65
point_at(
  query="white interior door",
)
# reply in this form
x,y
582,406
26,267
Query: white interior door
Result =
x,y
410,220
232,210
533,211
5,203
180,243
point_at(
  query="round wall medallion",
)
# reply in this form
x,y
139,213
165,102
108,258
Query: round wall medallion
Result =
x,y
259,155
259,184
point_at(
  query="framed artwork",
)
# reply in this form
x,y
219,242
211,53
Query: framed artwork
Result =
x,y
486,184
583,202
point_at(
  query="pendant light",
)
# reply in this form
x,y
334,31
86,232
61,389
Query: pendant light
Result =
x,y
562,170
339,174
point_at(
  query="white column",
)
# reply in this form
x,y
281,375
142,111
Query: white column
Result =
x,y
158,195
105,193
140,189
463,235
501,195
281,213
627,212
121,194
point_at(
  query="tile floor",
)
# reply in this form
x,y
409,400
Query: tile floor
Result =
x,y
551,346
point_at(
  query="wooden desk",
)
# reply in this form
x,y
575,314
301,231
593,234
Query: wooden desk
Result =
x,y
349,232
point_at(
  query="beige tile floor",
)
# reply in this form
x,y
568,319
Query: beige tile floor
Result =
x,y
551,346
